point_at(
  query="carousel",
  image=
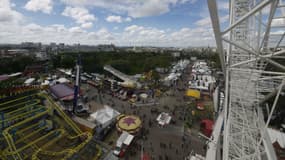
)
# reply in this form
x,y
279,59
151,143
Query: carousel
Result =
x,y
129,123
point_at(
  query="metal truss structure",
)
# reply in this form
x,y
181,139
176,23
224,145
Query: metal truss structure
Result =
x,y
250,50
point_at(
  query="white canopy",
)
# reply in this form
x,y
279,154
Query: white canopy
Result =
x,y
29,81
104,116
63,80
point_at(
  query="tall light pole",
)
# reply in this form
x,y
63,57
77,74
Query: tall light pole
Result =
x,y
77,81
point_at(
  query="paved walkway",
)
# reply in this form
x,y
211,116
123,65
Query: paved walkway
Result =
x,y
169,143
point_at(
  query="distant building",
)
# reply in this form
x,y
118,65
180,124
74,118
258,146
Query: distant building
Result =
x,y
193,58
61,46
13,52
106,47
53,44
41,55
176,54
33,69
31,45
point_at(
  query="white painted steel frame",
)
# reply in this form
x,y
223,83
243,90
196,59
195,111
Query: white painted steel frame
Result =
x,y
250,47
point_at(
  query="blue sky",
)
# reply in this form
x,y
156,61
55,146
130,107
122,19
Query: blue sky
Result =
x,y
129,22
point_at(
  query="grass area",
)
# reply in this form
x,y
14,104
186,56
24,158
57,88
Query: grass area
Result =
x,y
194,116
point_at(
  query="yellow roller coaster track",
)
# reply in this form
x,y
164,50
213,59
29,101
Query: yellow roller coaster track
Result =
x,y
24,114
19,104
73,125
17,153
10,117
14,100
34,156
9,139
60,111
21,108
25,137
67,152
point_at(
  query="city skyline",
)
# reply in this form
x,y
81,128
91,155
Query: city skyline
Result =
x,y
177,23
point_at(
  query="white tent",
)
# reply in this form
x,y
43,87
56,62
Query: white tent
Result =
x,y
143,95
29,81
104,116
63,80
276,135
163,119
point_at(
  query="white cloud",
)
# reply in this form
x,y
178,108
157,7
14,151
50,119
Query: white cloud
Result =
x,y
223,5
134,8
44,6
105,34
139,35
128,19
80,14
204,21
53,33
133,28
278,22
14,29
190,1
87,25
76,30
33,27
7,15
11,31
131,35
151,8
117,19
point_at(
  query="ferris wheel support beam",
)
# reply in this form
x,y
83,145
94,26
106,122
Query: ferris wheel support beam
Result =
x,y
249,40
246,16
270,95
212,5
281,39
256,54
264,43
271,112
274,55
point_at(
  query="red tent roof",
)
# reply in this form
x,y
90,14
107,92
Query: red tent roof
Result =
x,y
145,157
207,127
208,123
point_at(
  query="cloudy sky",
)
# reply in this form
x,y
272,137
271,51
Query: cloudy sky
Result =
x,y
121,22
